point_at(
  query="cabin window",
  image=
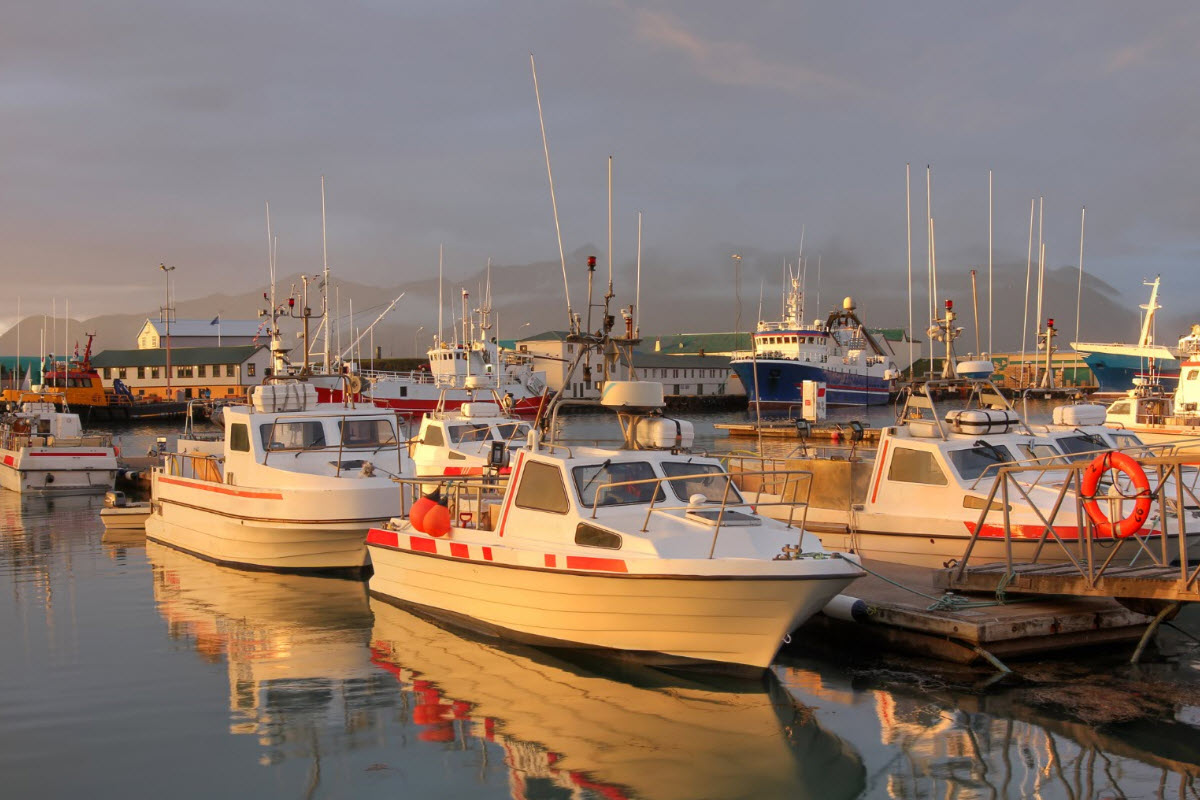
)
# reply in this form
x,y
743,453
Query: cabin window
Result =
x,y
1119,408
542,489
366,432
473,432
981,460
1081,446
250,369
433,437
298,435
513,431
706,479
591,536
1192,373
404,391
1042,453
1124,440
239,437
915,466
141,372
592,483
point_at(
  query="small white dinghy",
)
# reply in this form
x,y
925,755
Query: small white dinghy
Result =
x,y
121,512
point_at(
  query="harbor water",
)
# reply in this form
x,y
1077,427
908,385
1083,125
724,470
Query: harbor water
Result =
x,y
133,670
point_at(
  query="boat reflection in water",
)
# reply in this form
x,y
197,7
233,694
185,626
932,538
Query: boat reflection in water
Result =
x,y
647,734
295,646
943,743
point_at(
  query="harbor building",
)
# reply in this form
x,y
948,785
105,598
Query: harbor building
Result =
x,y
200,333
216,372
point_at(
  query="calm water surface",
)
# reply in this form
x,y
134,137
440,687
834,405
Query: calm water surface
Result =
x,y
132,670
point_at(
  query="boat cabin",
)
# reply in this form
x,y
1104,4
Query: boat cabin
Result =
x,y
461,442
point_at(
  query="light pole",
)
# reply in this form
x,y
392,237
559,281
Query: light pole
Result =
x,y
167,317
416,342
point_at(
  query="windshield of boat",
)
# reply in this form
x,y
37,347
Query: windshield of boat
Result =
x,y
1042,453
367,432
512,431
470,432
306,434
1128,441
971,462
1081,446
706,479
591,480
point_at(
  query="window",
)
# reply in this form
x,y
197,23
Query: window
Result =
x,y
713,488
154,372
250,369
184,372
141,372
592,483
366,433
982,459
915,466
542,489
513,431
230,371
1119,408
433,437
239,437
1081,446
591,536
300,435
404,391
471,432
1192,373
202,371
108,372
121,372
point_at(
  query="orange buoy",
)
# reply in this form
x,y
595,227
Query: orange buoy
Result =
x,y
437,521
1137,476
416,514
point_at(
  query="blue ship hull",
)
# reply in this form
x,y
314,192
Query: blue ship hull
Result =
x,y
780,383
1114,373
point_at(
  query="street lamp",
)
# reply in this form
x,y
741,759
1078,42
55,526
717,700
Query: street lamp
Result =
x,y
167,316
416,344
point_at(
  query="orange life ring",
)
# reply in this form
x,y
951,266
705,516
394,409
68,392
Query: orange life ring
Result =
x,y
1137,476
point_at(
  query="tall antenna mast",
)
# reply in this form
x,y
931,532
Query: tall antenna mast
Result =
x,y
637,324
929,234
325,285
908,212
1079,290
553,200
1028,270
989,262
441,305
610,252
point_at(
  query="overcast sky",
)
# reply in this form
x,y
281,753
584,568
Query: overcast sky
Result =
x,y
135,132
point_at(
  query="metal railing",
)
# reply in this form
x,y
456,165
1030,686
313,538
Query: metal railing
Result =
x,y
340,448
196,466
1166,473
464,494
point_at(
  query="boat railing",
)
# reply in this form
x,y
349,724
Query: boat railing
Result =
x,y
469,498
271,446
731,498
412,376
1068,526
197,466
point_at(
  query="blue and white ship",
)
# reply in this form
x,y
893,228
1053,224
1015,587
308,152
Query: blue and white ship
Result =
x,y
1119,367
841,353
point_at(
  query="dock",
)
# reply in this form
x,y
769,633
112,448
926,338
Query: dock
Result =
x,y
981,629
786,429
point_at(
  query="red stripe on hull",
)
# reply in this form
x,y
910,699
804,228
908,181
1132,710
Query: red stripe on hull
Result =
x,y
219,489
386,538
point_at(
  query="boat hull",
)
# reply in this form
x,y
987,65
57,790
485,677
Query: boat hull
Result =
x,y
50,472
1115,372
668,619
780,383
281,530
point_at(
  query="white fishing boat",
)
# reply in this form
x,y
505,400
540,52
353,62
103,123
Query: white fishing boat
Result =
x,y
1157,416
292,485
460,441
648,550
929,486
46,451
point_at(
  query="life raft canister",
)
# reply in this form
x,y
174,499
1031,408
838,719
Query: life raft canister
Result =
x,y
1137,476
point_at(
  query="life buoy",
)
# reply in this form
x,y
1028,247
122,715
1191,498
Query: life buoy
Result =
x,y
1137,476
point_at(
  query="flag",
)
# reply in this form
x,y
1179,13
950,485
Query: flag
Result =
x,y
216,320
77,348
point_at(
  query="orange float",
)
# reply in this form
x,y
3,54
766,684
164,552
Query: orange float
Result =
x,y
1137,476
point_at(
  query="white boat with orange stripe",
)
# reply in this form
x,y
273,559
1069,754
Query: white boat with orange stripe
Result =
x,y
920,496
46,451
459,439
649,551
293,485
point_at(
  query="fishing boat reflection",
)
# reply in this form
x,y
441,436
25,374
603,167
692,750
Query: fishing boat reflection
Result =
x,y
942,743
295,646
564,727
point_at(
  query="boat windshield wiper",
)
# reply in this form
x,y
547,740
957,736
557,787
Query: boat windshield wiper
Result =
x,y
596,474
997,454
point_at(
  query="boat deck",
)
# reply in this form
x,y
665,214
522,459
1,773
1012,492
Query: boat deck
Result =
x,y
1148,582
901,620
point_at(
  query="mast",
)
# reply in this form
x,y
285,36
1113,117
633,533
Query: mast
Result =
x,y
325,286
1146,338
571,324
1028,270
989,262
908,213
1079,289
441,302
637,324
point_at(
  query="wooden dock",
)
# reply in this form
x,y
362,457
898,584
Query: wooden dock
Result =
x,y
1149,582
901,620
786,429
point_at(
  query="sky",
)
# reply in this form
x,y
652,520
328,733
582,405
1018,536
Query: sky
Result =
x,y
138,132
